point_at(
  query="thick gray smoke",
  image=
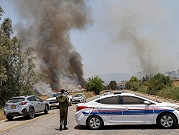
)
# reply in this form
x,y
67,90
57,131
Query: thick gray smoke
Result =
x,y
47,28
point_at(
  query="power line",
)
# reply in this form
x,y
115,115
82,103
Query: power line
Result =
x,y
172,60
168,59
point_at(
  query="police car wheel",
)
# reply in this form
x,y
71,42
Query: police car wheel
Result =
x,y
166,120
94,122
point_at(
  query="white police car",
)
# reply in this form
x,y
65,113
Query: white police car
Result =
x,y
126,109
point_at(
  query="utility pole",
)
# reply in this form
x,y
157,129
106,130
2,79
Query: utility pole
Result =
x,y
140,75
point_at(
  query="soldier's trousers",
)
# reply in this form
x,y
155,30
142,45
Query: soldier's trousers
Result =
x,y
63,115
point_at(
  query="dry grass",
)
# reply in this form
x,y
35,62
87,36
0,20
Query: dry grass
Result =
x,y
2,116
44,97
87,94
176,83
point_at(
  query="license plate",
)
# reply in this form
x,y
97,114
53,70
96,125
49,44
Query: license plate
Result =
x,y
13,106
53,104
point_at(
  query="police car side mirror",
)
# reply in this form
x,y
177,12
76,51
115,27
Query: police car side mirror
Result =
x,y
147,102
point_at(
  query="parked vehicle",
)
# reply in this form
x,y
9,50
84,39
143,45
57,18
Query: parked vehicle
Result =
x,y
26,106
52,100
126,109
79,98
122,87
107,92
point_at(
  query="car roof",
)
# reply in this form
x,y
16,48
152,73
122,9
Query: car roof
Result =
x,y
121,94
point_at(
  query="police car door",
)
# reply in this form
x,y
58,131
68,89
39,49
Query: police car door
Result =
x,y
136,111
110,110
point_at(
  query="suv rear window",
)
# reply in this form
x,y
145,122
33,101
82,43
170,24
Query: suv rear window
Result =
x,y
15,100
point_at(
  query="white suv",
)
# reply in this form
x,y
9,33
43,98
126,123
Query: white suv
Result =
x,y
52,100
26,106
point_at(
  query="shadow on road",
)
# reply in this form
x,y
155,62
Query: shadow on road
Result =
x,y
123,127
22,118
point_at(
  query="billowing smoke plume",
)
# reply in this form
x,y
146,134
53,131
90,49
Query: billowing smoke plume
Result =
x,y
47,28
136,23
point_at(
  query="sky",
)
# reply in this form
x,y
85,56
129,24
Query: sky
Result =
x,y
123,36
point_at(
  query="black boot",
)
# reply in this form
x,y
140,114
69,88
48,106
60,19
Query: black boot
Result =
x,y
60,127
65,128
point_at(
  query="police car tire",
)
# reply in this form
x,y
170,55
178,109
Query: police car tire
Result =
x,y
94,122
166,117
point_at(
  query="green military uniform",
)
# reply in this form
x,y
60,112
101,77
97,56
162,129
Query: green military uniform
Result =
x,y
63,105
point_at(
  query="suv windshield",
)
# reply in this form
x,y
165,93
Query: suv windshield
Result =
x,y
15,100
56,94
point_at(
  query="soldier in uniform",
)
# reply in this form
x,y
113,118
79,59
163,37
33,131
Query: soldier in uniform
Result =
x,y
63,105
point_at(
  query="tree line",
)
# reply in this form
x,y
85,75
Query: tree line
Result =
x,y
159,84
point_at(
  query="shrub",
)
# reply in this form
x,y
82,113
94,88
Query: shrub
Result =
x,y
170,92
143,89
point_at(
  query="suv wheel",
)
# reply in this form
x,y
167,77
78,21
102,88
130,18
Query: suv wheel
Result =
x,y
166,120
31,113
94,122
9,117
70,102
46,109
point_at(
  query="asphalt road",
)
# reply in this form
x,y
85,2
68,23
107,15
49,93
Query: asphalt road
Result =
x,y
49,125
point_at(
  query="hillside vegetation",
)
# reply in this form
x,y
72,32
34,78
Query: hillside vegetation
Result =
x,y
158,85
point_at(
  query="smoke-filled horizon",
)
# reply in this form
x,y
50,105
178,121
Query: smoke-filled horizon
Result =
x,y
135,23
47,27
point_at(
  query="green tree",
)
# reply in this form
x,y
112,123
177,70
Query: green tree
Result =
x,y
112,85
7,27
95,84
133,84
158,82
17,75
1,12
